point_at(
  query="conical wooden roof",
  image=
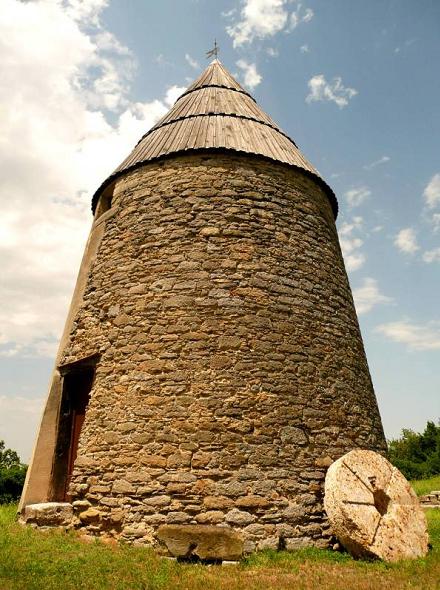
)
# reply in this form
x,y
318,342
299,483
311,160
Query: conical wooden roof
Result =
x,y
215,112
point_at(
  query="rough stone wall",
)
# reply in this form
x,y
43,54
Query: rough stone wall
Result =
x,y
232,368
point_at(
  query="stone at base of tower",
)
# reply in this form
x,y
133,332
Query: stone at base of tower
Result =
x,y
48,514
204,542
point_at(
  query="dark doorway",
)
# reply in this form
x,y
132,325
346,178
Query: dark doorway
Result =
x,y
77,384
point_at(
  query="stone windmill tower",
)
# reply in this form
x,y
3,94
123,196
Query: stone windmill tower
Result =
x,y
211,365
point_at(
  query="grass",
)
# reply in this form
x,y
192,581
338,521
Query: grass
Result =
x,y
34,560
424,486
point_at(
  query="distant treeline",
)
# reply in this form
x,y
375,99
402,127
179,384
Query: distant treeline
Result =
x,y
12,475
417,455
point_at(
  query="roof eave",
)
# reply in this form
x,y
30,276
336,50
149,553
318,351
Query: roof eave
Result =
x,y
118,174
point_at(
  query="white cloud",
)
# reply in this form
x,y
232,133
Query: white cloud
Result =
x,y
308,15
432,255
272,52
356,196
406,240
382,160
192,62
161,60
300,15
432,202
260,19
368,296
351,244
304,48
173,93
59,142
348,227
416,337
86,11
355,260
407,43
19,417
250,74
432,192
435,220
335,91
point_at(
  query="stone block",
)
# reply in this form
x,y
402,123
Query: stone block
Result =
x,y
323,461
268,543
135,531
177,517
252,502
202,541
210,517
291,435
157,501
48,514
201,459
91,515
296,543
80,505
239,517
122,486
217,502
209,231
229,342
179,459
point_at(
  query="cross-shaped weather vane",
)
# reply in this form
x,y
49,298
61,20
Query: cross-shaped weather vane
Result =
x,y
213,52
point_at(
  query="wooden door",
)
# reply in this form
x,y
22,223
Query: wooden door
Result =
x,y
79,386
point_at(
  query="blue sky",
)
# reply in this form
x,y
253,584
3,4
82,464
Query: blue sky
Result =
x,y
355,84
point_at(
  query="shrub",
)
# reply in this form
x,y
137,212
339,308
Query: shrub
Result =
x,y
12,475
416,455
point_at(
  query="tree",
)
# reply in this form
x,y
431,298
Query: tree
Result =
x,y
417,455
12,475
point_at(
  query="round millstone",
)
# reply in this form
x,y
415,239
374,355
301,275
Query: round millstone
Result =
x,y
372,508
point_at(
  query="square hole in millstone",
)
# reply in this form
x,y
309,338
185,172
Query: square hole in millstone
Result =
x,y
381,501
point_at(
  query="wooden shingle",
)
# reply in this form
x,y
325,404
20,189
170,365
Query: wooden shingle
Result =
x,y
215,112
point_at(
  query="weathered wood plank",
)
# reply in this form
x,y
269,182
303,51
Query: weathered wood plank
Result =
x,y
217,113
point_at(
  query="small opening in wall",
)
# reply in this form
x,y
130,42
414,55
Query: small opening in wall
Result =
x,y
77,381
104,203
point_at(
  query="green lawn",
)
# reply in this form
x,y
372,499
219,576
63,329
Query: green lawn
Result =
x,y
424,486
34,560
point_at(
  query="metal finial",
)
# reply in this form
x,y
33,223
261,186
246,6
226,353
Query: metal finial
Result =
x,y
213,52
